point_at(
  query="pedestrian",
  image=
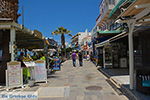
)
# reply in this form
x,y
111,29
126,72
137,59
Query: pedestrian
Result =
x,y
80,58
74,56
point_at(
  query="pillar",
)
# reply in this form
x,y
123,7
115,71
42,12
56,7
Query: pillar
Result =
x,y
131,25
12,43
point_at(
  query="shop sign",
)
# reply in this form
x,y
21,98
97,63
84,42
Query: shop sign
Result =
x,y
14,77
40,71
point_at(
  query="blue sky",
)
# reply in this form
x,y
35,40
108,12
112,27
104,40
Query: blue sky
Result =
x,y
47,15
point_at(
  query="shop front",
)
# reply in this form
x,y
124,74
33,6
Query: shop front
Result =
x,y
104,49
142,60
137,14
114,51
120,50
15,38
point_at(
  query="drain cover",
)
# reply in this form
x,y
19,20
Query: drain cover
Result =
x,y
96,88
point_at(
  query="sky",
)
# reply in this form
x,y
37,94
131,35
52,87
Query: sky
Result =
x,y
47,15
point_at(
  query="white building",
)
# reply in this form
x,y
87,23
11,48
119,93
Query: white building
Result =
x,y
82,35
105,8
80,39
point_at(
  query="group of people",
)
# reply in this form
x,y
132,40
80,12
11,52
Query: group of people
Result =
x,y
74,57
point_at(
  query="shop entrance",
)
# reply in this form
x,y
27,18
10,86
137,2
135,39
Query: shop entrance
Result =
x,y
120,54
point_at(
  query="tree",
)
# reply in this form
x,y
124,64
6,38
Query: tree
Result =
x,y
62,31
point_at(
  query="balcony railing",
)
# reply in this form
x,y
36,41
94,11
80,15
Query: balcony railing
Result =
x,y
103,12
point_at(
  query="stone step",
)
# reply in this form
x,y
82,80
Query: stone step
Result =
x,y
53,92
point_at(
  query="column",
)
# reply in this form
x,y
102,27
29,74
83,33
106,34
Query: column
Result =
x,y
131,25
12,43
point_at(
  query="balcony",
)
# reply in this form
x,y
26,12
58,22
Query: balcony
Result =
x,y
105,9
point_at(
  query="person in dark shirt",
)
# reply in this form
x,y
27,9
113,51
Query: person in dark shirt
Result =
x,y
80,58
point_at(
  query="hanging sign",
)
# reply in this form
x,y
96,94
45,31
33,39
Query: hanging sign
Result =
x,y
40,71
14,77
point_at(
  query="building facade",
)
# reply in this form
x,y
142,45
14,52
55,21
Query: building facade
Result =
x,y
79,39
129,49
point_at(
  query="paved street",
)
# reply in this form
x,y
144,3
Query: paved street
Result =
x,y
78,83
72,83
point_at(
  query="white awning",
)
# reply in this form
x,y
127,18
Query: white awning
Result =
x,y
102,43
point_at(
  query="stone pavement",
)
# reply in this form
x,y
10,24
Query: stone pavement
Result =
x,y
75,83
83,83
118,74
120,79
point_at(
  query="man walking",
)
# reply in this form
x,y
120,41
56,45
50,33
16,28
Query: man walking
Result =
x,y
80,58
74,56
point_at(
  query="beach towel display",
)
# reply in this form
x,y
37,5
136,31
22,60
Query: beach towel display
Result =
x,y
56,66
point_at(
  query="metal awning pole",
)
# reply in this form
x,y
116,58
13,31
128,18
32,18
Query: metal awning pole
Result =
x,y
131,24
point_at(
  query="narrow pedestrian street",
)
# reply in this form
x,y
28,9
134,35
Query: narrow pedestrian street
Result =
x,y
43,44
79,83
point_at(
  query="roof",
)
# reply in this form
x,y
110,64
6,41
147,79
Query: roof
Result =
x,y
25,38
